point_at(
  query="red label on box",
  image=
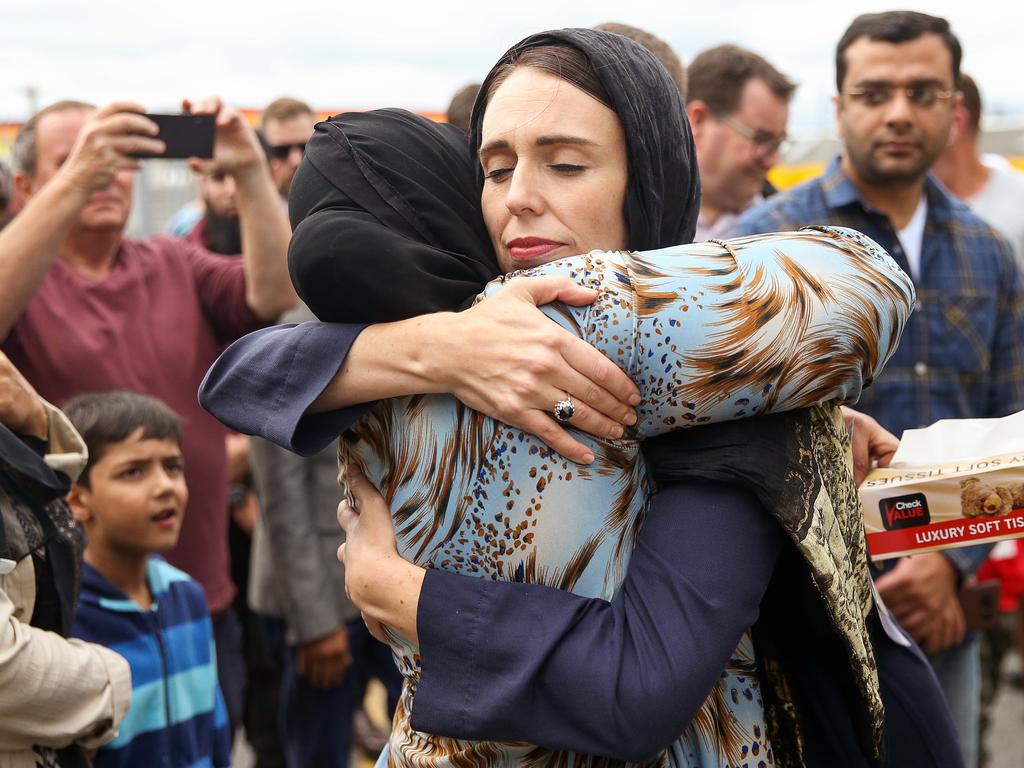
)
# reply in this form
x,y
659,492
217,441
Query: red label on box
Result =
x,y
881,543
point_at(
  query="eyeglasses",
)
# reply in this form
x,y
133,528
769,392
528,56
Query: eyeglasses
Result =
x,y
766,144
281,151
922,96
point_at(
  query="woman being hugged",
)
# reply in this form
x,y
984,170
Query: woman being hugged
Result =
x,y
583,147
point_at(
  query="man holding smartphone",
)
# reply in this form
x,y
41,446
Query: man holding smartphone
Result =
x,y
82,308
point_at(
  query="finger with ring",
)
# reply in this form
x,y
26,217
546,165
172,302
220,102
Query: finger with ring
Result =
x,y
564,409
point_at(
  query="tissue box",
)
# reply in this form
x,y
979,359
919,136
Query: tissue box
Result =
x,y
913,509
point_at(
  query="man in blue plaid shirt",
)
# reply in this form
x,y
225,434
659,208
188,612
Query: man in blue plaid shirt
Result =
x,y
962,353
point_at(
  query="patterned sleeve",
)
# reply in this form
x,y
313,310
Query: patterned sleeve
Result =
x,y
761,324
1006,390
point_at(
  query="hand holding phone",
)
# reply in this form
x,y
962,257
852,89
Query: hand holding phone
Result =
x,y
237,150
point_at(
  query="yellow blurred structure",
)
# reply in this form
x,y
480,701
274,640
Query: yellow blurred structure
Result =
x,y
786,176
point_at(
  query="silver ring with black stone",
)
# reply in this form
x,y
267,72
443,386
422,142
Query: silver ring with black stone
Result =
x,y
564,409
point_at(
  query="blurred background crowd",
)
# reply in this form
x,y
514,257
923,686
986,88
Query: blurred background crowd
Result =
x,y
291,657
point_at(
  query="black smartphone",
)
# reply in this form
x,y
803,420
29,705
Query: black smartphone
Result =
x,y
184,136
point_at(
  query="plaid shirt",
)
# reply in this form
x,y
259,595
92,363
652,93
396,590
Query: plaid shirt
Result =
x,y
962,352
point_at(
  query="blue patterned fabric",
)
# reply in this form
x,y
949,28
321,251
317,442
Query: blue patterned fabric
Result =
x,y
177,715
962,353
709,333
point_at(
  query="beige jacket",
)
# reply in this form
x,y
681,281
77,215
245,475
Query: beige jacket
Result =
x,y
53,692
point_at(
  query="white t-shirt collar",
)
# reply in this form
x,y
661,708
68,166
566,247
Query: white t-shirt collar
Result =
x,y
911,237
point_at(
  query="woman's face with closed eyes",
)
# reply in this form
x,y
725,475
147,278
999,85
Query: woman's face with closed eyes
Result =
x,y
555,171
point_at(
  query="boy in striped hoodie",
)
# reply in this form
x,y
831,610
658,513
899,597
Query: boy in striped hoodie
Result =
x,y
130,499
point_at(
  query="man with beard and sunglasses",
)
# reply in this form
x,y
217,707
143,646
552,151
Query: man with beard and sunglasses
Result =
x,y
962,353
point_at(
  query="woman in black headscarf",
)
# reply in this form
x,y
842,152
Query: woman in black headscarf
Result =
x,y
650,215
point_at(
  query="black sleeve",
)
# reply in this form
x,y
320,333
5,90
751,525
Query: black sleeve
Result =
x,y
263,383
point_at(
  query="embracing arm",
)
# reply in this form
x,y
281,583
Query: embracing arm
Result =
x,y
263,383
505,661
294,385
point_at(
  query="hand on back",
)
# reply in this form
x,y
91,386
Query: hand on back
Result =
x,y
505,358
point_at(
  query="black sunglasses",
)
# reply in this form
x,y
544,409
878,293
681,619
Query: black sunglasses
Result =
x,y
281,151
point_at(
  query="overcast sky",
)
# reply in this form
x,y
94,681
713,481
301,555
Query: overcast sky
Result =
x,y
372,53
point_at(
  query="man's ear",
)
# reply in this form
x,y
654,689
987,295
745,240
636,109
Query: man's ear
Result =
x,y
24,186
837,102
960,120
699,114
78,499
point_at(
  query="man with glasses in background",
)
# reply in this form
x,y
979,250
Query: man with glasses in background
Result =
x,y
962,353
738,105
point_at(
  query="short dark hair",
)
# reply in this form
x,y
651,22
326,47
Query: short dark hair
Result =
x,y
717,77
24,151
105,418
897,27
662,51
972,101
461,107
284,108
565,62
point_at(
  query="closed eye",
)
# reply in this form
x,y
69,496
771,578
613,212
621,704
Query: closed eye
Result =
x,y
498,174
567,168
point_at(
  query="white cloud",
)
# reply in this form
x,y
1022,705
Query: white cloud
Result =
x,y
416,54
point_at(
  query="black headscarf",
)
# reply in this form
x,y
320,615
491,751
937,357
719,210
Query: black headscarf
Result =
x,y
663,192
386,204
387,219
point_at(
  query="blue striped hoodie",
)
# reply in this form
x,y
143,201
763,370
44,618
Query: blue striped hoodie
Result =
x,y
177,717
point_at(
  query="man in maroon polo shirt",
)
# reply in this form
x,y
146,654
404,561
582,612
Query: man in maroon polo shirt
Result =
x,y
82,308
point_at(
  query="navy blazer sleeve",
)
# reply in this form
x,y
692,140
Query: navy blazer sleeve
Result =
x,y
522,662
263,383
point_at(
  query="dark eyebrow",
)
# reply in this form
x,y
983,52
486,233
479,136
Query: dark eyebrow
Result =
x,y
543,141
547,141
918,82
492,146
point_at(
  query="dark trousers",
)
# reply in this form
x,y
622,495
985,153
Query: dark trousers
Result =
x,y
227,637
318,721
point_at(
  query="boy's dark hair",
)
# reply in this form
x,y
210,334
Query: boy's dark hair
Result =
x,y
718,75
897,27
104,418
